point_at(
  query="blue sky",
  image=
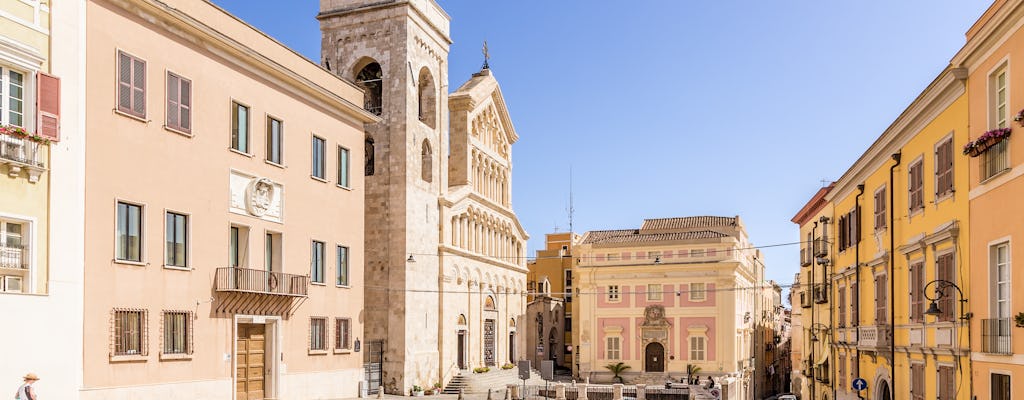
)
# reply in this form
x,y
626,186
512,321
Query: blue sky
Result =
x,y
678,108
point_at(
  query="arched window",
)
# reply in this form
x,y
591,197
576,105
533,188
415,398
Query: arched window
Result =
x,y
428,162
369,156
427,98
461,320
371,79
489,304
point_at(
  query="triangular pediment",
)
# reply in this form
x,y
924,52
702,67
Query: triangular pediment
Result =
x,y
480,93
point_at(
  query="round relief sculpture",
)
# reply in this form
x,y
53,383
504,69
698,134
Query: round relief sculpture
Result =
x,y
258,196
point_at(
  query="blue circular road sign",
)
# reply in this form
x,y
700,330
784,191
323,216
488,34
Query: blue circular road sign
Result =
x,y
860,384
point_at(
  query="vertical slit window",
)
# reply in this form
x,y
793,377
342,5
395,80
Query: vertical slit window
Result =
x,y
176,226
317,262
318,157
343,165
129,232
342,262
275,130
239,127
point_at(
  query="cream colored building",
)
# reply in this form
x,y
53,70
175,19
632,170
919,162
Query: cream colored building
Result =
x,y
223,222
673,293
444,249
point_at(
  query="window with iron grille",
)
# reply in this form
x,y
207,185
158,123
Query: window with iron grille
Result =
x,y
880,202
130,332
131,85
343,334
177,332
179,103
944,168
915,186
318,333
613,293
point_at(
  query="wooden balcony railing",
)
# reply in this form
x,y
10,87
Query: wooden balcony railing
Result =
x,y
261,282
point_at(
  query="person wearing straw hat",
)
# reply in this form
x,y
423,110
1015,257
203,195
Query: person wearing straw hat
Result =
x,y
25,392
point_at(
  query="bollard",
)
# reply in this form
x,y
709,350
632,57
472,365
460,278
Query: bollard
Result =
x,y
380,392
508,391
581,391
560,391
515,392
617,391
641,391
460,394
489,394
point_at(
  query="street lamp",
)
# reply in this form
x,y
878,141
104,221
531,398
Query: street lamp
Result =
x,y
940,286
818,327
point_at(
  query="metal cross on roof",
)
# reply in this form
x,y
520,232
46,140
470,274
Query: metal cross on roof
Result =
x,y
487,55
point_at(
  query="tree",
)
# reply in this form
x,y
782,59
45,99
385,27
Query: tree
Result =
x,y
617,369
692,371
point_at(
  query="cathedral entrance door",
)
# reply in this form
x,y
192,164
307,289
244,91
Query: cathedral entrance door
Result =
x,y
655,358
462,349
489,343
512,347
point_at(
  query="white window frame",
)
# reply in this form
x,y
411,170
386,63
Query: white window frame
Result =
x,y
608,348
655,292
994,278
348,265
614,295
188,240
28,91
696,354
322,154
693,292
143,224
323,262
28,240
994,120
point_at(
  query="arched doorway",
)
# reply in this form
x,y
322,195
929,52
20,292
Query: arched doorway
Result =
x,y
883,392
654,358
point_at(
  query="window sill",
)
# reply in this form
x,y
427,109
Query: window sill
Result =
x,y
128,262
940,197
994,176
132,116
129,358
342,351
318,283
317,178
348,188
343,286
181,132
915,211
178,268
239,152
175,357
317,352
274,164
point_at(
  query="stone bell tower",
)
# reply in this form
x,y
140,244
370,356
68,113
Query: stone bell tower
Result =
x,y
397,50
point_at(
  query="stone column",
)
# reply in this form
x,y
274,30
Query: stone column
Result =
x,y
560,391
641,391
617,391
514,389
581,390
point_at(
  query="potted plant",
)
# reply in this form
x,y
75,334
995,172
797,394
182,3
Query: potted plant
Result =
x,y
480,370
508,366
617,369
437,388
691,373
21,133
1018,320
985,141
1019,118
417,391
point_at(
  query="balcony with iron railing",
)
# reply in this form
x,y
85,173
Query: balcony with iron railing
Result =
x,y
23,154
995,336
258,281
13,257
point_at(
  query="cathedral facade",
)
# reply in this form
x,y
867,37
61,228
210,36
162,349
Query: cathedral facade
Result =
x,y
444,258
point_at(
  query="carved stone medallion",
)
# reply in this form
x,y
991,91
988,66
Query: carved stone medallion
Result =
x,y
258,196
654,315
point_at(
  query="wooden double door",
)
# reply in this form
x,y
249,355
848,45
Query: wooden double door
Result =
x,y
251,362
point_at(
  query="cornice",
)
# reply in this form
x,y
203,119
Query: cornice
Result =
x,y
385,4
1002,23
444,248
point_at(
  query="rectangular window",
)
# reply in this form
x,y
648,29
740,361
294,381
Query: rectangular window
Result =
x,y
130,332
944,267
568,278
881,302
917,281
568,322
179,103
613,293
842,307
240,127
916,381
14,249
317,262
947,383
272,251
318,158
343,163
915,186
12,97
1000,387
698,349
944,168
855,304
342,262
176,239
1000,258
995,160
275,131
613,257
318,333
880,209
177,332
343,334
129,232
239,246
613,350
697,253
841,371
654,292
698,292
131,85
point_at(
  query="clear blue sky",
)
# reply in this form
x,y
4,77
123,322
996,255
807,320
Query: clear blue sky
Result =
x,y
678,108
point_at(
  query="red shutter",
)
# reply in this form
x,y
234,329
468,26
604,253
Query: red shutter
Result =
x,y
48,106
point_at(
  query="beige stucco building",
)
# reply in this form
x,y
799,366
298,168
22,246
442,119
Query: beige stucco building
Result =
x,y
444,249
223,224
676,292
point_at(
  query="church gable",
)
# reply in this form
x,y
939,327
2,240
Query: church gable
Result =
x,y
481,98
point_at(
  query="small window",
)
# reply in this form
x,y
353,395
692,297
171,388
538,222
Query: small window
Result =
x,y
317,262
697,253
272,252
698,348
371,79
130,332
944,168
239,246
12,97
369,150
613,293
880,202
240,127
179,103
654,292
915,186
275,130
176,239
614,350
1000,387
343,163
318,334
131,85
319,155
427,162
177,332
343,334
698,292
342,262
129,232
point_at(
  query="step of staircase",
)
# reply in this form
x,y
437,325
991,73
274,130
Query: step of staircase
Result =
x,y
496,379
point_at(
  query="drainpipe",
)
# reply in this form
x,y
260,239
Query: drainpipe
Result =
x,y
856,265
892,271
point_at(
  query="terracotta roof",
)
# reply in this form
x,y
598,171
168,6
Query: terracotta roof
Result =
x,y
687,222
634,236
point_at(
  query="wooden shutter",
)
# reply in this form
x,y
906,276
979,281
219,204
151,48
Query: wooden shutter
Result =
x,y
855,304
916,292
185,105
914,182
947,383
944,168
841,234
880,209
842,307
880,300
48,106
139,87
131,85
944,271
917,381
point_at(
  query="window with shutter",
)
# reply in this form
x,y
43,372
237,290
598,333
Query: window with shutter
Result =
x,y
915,182
48,99
880,209
917,292
842,307
855,303
944,271
880,300
917,382
944,168
179,103
947,383
842,233
131,87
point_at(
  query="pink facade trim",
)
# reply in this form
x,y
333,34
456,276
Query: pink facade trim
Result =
x,y
626,255
624,345
684,253
602,299
684,335
709,296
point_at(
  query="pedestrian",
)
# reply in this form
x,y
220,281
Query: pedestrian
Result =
x,y
25,392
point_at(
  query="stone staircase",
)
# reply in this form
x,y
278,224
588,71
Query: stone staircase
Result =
x,y
496,379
